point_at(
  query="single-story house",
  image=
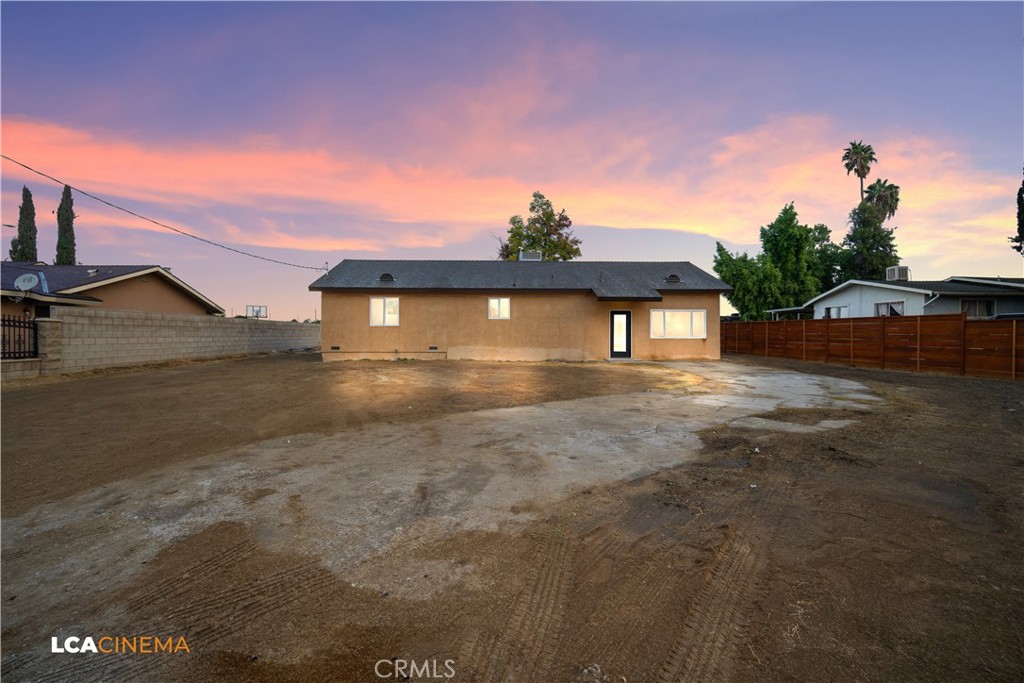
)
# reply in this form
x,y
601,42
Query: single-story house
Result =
x,y
132,288
519,310
978,297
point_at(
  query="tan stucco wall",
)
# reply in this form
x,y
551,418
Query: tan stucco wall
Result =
x,y
543,326
8,307
146,293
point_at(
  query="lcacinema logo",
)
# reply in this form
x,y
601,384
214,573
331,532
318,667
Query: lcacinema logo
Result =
x,y
120,645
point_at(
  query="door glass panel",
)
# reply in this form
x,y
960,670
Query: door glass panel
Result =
x,y
618,333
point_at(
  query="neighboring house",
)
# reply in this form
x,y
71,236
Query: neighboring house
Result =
x,y
133,288
519,310
978,297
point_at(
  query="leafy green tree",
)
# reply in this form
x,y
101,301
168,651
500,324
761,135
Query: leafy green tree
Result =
x,y
871,248
786,244
884,196
65,230
826,264
23,247
1017,243
756,283
544,231
857,159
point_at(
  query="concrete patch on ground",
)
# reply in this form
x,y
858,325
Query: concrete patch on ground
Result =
x,y
350,496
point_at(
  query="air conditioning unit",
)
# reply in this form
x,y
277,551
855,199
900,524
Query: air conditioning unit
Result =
x,y
530,255
897,273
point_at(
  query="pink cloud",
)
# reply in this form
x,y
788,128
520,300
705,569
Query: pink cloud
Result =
x,y
601,169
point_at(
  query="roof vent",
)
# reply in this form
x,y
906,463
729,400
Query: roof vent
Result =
x,y
387,277
897,274
530,255
672,278
93,272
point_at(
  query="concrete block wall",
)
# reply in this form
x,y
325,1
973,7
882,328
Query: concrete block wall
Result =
x,y
78,339
21,368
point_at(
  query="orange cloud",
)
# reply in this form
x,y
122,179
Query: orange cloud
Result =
x,y
616,170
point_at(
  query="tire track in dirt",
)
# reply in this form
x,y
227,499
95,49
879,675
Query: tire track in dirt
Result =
x,y
526,646
272,590
221,614
16,661
718,618
183,582
646,585
642,577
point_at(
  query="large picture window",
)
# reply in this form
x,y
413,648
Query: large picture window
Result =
x,y
678,324
499,308
384,311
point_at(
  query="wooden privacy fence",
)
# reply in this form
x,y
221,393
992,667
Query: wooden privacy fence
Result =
x,y
924,343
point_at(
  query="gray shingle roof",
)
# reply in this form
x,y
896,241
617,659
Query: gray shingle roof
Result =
x,y
619,280
952,286
59,278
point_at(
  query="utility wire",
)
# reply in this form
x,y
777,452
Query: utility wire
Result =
x,y
162,225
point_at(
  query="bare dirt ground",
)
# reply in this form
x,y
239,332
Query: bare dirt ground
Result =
x,y
529,522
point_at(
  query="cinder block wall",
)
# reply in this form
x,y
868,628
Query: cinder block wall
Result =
x,y
92,338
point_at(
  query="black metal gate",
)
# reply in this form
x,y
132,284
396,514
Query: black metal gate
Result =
x,y
20,337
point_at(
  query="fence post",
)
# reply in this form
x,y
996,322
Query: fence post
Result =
x,y
804,342
963,343
919,343
51,346
1013,351
828,326
882,349
851,342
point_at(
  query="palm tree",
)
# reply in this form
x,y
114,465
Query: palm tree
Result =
x,y
857,158
885,196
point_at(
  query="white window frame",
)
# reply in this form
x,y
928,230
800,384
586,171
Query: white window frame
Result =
x,y
508,308
384,311
890,303
843,311
655,312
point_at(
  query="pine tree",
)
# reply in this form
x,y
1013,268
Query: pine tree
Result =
x,y
66,230
870,248
23,247
545,231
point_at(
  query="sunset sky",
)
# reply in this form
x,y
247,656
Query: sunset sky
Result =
x,y
314,132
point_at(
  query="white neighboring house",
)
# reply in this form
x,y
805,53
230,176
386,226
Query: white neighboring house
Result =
x,y
979,297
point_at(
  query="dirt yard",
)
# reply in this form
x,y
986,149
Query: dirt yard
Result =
x,y
733,521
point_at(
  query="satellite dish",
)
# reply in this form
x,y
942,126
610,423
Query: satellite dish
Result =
x,y
26,282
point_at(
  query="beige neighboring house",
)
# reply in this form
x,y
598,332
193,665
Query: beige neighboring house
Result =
x,y
152,289
519,310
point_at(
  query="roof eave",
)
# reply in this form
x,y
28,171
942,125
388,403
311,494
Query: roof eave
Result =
x,y
80,299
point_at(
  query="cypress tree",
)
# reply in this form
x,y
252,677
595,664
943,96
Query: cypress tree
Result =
x,y
23,247
65,230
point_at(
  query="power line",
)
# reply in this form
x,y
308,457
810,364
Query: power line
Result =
x,y
155,222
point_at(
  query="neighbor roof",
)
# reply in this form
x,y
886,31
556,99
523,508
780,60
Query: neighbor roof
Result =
x,y
1017,282
70,282
950,287
612,280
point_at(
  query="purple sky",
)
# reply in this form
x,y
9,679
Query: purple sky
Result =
x,y
315,132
